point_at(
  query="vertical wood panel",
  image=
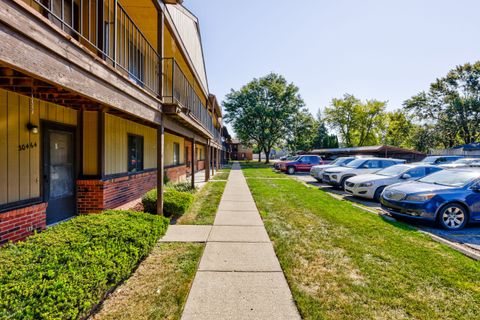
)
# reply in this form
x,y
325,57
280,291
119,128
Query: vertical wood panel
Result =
x,y
12,147
35,153
90,143
24,154
3,148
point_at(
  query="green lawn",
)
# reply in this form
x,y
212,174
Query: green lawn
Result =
x,y
204,207
159,288
344,263
222,175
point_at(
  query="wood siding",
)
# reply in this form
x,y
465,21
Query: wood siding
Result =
x,y
90,143
20,149
116,144
170,139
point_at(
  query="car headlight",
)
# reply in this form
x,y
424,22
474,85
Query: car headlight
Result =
x,y
420,197
366,184
334,176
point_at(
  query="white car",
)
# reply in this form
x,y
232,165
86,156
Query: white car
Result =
x,y
461,163
317,171
338,176
371,186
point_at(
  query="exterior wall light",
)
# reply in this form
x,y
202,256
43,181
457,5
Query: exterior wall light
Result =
x,y
32,128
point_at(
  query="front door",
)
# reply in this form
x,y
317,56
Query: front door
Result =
x,y
59,174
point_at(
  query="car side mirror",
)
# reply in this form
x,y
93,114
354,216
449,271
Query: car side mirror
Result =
x,y
476,188
406,176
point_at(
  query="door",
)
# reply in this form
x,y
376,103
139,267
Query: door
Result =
x,y
59,174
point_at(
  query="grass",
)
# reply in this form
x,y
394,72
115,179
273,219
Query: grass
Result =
x,y
204,207
344,263
222,175
158,289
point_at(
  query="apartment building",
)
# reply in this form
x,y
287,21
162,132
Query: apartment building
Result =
x,y
99,100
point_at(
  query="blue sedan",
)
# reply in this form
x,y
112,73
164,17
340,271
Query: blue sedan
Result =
x,y
450,197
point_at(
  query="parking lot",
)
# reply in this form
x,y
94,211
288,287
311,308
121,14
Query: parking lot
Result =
x,y
468,237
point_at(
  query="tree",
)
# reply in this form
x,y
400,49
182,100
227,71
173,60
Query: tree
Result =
x,y
301,133
262,112
358,123
452,105
322,138
399,129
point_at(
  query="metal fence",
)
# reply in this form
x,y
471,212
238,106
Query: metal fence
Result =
x,y
105,28
456,152
178,90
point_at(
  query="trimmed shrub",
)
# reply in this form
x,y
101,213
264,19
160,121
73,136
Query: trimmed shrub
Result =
x,y
175,203
182,187
65,271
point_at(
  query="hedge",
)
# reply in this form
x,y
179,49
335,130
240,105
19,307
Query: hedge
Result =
x,y
175,203
65,271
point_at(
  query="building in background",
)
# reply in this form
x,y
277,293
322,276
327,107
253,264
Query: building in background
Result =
x,y
240,152
98,100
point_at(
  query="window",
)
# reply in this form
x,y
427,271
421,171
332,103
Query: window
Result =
x,y
135,153
176,153
417,172
373,164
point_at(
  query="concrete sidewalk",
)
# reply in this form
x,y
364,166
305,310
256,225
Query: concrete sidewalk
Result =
x,y
239,276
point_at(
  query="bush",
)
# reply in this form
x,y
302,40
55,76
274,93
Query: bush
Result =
x,y
64,272
182,187
175,203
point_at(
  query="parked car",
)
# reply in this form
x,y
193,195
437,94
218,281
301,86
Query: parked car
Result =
x,y
450,198
371,186
438,160
461,163
278,164
317,171
302,163
338,176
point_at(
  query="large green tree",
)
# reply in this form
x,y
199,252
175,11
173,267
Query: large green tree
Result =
x,y
358,123
398,129
451,106
302,132
263,111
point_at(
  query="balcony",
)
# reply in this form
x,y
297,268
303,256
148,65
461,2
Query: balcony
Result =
x,y
179,93
105,28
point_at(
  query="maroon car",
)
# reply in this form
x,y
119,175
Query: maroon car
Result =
x,y
301,164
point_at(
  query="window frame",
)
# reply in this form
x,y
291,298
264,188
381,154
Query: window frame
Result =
x,y
141,139
176,154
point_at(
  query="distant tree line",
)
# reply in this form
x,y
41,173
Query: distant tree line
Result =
x,y
269,113
445,116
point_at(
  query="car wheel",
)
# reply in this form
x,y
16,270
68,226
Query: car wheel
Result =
x,y
319,180
378,193
453,217
291,170
343,183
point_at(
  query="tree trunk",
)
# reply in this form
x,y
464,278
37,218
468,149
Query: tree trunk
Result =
x,y
267,156
260,156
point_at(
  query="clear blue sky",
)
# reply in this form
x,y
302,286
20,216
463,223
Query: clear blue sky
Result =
x,y
382,49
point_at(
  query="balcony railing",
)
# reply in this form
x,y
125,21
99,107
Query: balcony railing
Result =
x,y
178,90
105,28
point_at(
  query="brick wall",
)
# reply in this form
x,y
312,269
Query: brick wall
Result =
x,y
97,195
18,224
177,173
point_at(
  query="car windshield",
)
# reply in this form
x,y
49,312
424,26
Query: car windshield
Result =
x,y
355,163
393,170
451,178
430,159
